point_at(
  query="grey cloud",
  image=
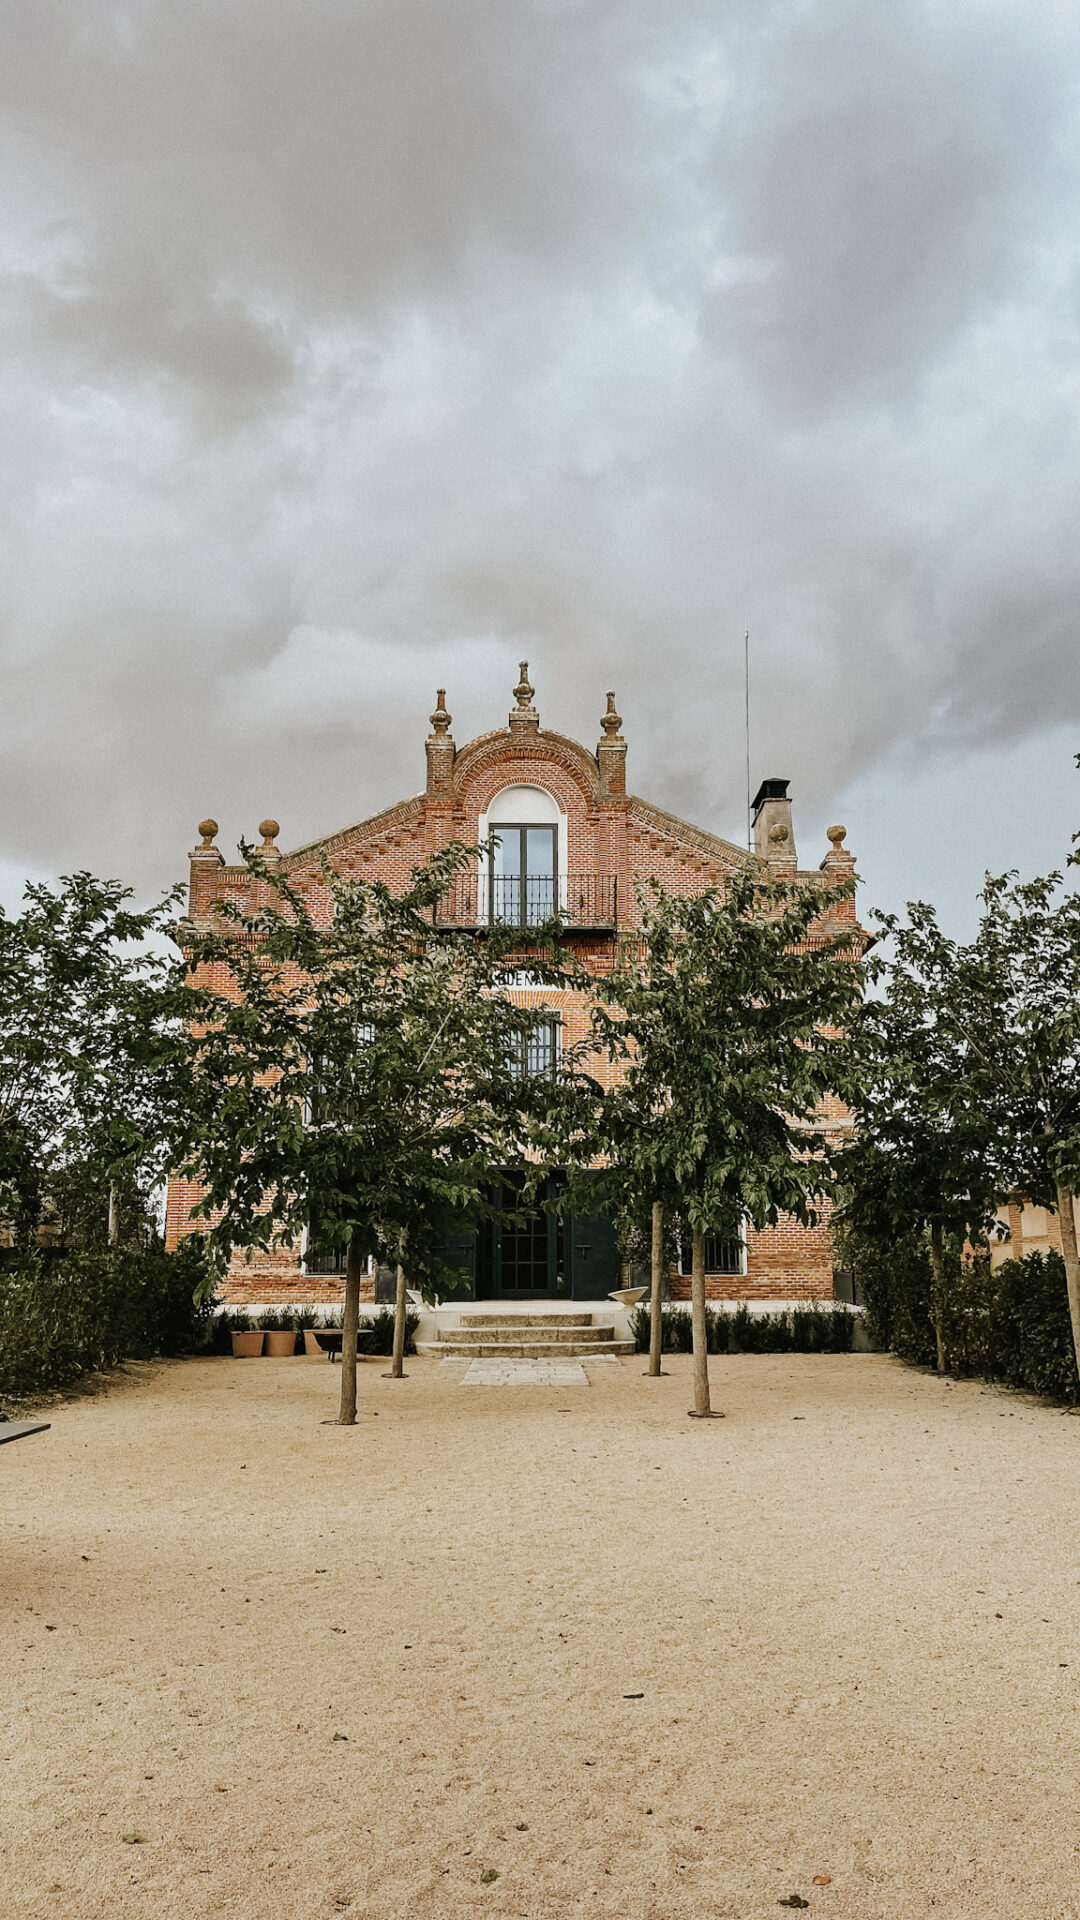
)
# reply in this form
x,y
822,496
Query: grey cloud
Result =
x,y
352,349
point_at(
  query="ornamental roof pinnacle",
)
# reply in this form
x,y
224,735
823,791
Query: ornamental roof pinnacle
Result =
x,y
612,721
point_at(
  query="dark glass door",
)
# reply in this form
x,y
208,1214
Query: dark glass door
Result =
x,y
524,875
527,1259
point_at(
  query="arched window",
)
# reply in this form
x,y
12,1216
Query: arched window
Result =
x,y
522,873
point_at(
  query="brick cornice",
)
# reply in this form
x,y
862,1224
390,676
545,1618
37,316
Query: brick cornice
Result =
x,y
403,813
501,749
655,820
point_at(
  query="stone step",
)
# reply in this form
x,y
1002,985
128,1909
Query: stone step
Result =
x,y
521,1317
526,1349
504,1332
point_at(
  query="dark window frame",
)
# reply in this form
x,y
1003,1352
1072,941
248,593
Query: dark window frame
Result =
x,y
528,913
720,1250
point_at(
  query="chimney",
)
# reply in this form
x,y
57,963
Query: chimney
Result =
x,y
774,837
611,754
441,752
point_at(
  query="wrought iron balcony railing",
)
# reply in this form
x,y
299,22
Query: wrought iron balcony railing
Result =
x,y
582,900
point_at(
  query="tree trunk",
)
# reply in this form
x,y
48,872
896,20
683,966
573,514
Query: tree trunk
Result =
x,y
656,1295
350,1321
114,1217
1072,1263
937,1301
396,1367
702,1406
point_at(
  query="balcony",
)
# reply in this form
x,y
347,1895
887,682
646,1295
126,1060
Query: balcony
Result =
x,y
588,902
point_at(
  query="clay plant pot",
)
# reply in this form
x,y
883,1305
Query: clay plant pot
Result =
x,y
246,1346
280,1345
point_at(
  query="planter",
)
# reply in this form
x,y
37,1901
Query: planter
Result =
x,y
246,1346
311,1344
280,1344
628,1296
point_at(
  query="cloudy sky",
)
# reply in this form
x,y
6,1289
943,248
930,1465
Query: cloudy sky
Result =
x,y
356,347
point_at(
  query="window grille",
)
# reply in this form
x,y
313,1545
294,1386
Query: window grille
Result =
x,y
724,1254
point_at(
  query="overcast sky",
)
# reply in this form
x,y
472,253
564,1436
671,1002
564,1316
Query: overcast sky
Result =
x,y
354,349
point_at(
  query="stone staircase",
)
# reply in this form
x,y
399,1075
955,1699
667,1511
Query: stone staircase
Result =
x,y
517,1336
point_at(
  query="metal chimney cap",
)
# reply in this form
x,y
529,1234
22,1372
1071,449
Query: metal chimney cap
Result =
x,y
770,790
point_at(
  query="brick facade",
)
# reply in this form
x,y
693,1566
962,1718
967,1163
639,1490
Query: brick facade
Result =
x,y
610,835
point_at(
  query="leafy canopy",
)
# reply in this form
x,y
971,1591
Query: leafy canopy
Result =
x,y
91,1047
365,1077
728,1021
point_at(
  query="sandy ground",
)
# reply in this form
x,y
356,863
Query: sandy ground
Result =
x,y
327,1671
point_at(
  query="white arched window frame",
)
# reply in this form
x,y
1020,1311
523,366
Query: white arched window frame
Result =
x,y
522,806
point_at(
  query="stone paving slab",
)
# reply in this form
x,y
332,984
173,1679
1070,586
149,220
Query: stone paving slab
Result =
x,y
525,1373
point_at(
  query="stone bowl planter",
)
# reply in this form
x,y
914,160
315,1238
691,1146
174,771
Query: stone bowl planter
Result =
x,y
628,1296
246,1346
312,1349
280,1343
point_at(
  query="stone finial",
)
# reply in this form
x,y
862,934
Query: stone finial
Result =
x,y
611,755
612,721
269,830
524,719
208,828
440,719
838,856
779,835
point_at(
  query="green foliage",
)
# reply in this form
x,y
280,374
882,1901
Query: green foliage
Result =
x,y
896,1281
806,1329
62,1317
967,1091
727,1025
92,1078
919,1154
366,1076
376,1335
1008,1325
278,1320
1034,1341
224,1325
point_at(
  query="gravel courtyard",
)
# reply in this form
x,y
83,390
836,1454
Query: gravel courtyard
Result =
x,y
630,1664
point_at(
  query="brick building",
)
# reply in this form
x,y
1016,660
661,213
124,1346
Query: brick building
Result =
x,y
564,831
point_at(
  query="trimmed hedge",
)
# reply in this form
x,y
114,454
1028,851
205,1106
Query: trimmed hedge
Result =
x,y
65,1316
1009,1326
808,1329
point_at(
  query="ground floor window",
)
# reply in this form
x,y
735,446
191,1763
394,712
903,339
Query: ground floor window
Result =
x,y
723,1254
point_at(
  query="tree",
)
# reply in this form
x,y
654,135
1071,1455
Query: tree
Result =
x,y
1015,1011
361,1078
91,1060
919,1159
729,1023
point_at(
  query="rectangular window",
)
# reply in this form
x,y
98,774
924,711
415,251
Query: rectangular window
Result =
x,y
523,875
538,1050
723,1254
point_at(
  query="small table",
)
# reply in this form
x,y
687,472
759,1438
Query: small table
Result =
x,y
18,1429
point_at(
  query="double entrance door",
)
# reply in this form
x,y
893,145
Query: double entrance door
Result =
x,y
525,1260
545,1254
